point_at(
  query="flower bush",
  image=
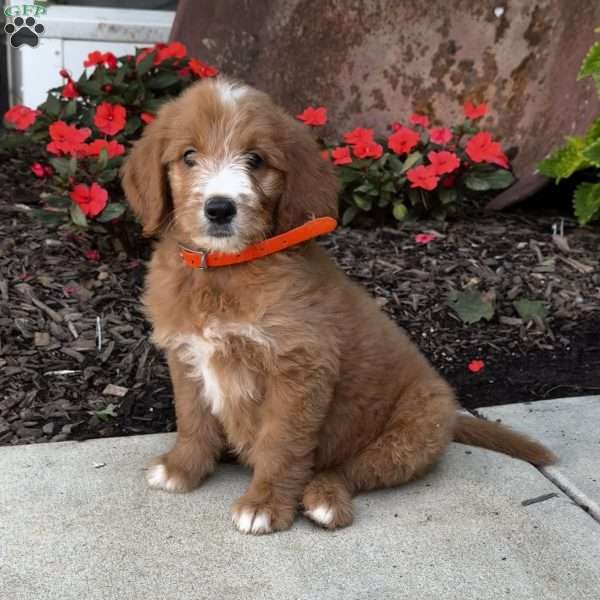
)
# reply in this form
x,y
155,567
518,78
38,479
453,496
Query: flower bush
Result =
x,y
86,125
417,169
581,153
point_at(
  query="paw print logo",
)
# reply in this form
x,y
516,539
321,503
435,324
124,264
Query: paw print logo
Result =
x,y
24,31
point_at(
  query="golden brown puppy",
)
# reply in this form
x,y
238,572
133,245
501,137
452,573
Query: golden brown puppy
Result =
x,y
282,359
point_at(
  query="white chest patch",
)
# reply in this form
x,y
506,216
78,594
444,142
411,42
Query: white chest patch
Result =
x,y
197,351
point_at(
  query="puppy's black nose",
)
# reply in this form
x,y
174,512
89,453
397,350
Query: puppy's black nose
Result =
x,y
220,209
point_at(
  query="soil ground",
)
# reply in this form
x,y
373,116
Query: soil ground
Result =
x,y
57,378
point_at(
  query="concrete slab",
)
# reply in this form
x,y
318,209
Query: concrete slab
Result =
x,y
571,427
70,529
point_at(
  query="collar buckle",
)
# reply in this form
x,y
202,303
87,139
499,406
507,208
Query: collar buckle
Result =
x,y
197,259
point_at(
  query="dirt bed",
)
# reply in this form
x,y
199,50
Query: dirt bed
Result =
x,y
76,361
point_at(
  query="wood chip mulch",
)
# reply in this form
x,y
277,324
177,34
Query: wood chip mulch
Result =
x,y
75,360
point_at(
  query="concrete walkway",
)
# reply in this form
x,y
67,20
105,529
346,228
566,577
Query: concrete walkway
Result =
x,y
77,521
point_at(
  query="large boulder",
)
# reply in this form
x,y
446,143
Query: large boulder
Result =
x,y
373,61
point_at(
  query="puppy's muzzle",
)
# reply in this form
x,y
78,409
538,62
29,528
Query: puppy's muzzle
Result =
x,y
220,210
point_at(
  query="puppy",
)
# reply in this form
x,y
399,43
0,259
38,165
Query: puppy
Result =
x,y
281,359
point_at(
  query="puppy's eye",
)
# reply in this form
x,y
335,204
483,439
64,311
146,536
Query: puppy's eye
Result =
x,y
189,157
254,160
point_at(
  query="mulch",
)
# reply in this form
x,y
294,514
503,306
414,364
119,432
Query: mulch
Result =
x,y
76,361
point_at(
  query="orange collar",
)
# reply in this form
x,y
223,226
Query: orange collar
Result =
x,y
197,259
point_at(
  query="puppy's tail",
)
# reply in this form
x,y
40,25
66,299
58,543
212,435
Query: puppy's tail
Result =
x,y
493,436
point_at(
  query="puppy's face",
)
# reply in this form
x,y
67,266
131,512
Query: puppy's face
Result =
x,y
228,173
223,167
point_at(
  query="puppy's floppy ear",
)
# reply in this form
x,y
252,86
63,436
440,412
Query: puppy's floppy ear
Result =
x,y
144,179
311,186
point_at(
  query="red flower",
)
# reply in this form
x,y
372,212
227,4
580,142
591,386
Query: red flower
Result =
x,y
481,148
91,200
396,125
173,50
476,365
147,117
443,162
423,177
38,169
324,154
64,73
112,147
184,72
367,150
67,139
403,140
475,111
359,136
92,255
199,69
69,91
424,238
421,120
21,117
341,155
110,118
108,59
440,135
108,88
313,116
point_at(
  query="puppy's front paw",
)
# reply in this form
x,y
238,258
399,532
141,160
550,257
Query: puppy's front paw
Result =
x,y
327,502
261,517
166,473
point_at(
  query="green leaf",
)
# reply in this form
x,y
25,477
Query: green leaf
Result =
x,y
411,160
103,158
48,217
395,163
592,153
359,164
72,165
163,80
348,176
591,63
58,201
389,187
77,216
362,202
107,412
481,181
146,64
586,202
112,211
132,125
52,105
349,215
476,183
62,166
471,305
13,140
565,161
107,175
593,133
530,309
399,211
91,87
448,196
70,109
367,188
